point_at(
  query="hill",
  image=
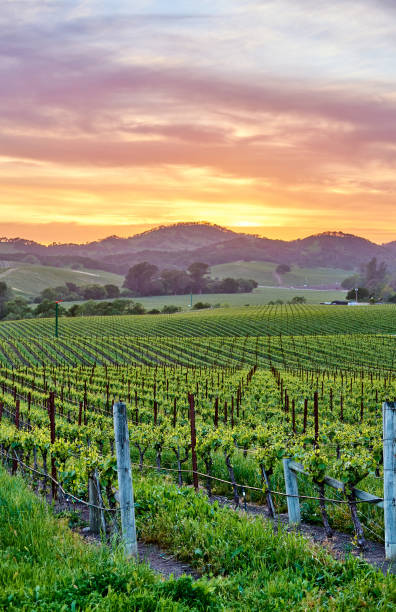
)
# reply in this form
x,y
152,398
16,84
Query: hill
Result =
x,y
28,280
265,274
181,244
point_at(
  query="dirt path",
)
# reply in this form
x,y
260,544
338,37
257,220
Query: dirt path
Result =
x,y
159,560
163,561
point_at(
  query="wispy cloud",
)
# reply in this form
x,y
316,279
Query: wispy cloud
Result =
x,y
296,100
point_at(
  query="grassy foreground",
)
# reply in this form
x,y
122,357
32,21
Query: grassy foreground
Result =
x,y
43,566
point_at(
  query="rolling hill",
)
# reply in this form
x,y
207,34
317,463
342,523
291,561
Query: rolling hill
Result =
x,y
265,274
181,244
27,280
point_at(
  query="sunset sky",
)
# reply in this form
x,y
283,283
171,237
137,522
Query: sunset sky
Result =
x,y
276,117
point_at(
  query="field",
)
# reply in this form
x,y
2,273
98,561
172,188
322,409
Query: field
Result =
x,y
259,297
305,382
264,273
28,280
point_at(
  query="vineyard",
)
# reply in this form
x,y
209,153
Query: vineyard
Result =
x,y
296,381
247,321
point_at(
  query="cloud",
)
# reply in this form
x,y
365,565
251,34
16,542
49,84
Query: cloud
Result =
x,y
233,93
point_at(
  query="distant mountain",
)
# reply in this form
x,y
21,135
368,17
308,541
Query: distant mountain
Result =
x,y
390,247
337,250
176,237
181,244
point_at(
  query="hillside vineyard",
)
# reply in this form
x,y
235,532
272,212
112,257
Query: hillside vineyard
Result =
x,y
298,381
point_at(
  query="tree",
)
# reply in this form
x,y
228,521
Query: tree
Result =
x,y
175,281
246,285
362,294
112,291
282,269
374,276
74,311
171,309
5,295
49,295
351,281
140,278
72,288
197,272
201,305
229,285
18,308
47,309
298,299
135,308
94,292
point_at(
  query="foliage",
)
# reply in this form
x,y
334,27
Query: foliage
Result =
x,y
283,269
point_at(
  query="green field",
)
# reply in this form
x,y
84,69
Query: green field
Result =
x,y
264,273
244,321
28,280
258,297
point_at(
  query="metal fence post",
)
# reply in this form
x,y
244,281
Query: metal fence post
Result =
x,y
389,434
125,478
293,503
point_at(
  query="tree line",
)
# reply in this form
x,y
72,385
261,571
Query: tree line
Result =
x,y
145,279
372,282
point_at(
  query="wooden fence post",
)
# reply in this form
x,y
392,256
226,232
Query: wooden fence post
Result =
x,y
51,413
389,433
293,503
125,478
96,515
193,441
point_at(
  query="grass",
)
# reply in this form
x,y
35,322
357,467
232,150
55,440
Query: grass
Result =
x,y
264,273
258,297
44,566
28,280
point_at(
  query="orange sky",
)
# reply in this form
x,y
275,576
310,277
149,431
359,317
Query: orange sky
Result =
x,y
277,118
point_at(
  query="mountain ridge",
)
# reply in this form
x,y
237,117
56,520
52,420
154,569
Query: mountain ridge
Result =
x,y
179,244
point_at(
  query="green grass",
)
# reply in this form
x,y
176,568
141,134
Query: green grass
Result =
x,y
43,566
264,273
28,280
258,297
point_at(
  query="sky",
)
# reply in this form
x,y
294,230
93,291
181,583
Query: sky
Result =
x,y
275,117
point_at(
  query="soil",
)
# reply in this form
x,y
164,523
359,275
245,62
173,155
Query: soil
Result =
x,y
163,562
